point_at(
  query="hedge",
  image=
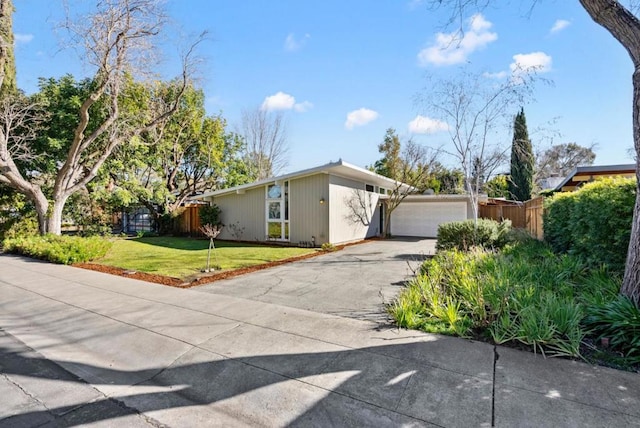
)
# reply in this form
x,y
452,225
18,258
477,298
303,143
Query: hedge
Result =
x,y
593,222
59,249
463,235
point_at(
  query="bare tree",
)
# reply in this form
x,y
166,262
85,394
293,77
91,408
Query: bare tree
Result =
x,y
361,207
623,24
476,111
561,159
117,41
266,145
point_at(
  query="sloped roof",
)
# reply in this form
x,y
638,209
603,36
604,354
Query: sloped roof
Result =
x,y
339,168
583,174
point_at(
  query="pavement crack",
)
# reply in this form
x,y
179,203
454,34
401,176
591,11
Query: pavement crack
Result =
x,y
496,356
25,392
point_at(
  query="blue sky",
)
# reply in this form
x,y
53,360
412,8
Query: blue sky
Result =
x,y
345,71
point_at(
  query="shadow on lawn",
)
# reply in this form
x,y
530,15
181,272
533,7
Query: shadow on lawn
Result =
x,y
190,244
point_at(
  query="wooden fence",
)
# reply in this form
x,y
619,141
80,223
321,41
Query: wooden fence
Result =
x,y
533,211
524,216
189,221
515,213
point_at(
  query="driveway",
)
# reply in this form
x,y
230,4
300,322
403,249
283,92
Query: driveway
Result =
x,y
79,347
355,282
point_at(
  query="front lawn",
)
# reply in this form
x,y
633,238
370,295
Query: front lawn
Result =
x,y
183,257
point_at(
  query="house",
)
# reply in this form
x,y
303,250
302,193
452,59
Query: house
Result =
x,y
334,203
585,174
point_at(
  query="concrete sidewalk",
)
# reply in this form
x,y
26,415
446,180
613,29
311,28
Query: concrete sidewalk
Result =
x,y
81,347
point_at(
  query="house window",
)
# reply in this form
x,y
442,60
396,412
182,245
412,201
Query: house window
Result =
x,y
277,211
369,188
382,191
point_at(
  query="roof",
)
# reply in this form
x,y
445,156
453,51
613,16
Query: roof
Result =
x,y
582,174
339,168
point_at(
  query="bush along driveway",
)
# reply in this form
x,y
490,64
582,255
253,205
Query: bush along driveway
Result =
x,y
524,295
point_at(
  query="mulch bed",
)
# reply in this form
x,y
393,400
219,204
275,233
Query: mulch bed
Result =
x,y
200,279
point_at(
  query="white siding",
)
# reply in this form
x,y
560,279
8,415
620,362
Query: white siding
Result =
x,y
353,213
307,216
245,210
423,218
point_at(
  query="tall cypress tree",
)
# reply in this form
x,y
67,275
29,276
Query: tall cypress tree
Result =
x,y
7,59
522,162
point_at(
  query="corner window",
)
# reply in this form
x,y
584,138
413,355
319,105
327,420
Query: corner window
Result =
x,y
277,211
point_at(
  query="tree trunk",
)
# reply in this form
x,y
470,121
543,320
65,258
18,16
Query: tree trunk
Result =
x,y
386,231
54,219
42,206
625,27
631,282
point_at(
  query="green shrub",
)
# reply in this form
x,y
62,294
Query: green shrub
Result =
x,y
210,214
594,222
59,249
25,226
524,293
328,247
463,235
619,321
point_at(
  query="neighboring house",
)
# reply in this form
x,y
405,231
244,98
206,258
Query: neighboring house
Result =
x,y
333,203
585,174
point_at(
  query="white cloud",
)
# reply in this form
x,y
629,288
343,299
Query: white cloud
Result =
x,y
360,117
534,62
427,125
291,44
454,48
283,101
22,38
559,25
303,106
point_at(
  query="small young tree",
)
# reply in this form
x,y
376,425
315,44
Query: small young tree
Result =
x,y
211,228
522,161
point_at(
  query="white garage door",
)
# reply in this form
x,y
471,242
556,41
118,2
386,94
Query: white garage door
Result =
x,y
423,218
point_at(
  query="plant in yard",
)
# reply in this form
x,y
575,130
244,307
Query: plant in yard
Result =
x,y
593,222
523,293
618,321
59,248
211,231
463,235
328,247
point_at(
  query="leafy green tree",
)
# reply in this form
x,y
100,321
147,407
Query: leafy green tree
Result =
x,y
451,180
6,49
116,49
498,187
522,160
182,156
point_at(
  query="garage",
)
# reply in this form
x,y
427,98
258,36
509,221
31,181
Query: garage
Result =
x,y
421,216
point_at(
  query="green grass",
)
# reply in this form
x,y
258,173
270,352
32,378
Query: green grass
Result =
x,y
182,257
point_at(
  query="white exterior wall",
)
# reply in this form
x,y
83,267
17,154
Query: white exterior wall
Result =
x,y
308,218
344,226
246,210
420,215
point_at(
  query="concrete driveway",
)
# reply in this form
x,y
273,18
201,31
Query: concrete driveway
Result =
x,y
355,282
84,348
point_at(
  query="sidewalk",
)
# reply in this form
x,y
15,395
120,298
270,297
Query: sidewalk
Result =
x,y
84,347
